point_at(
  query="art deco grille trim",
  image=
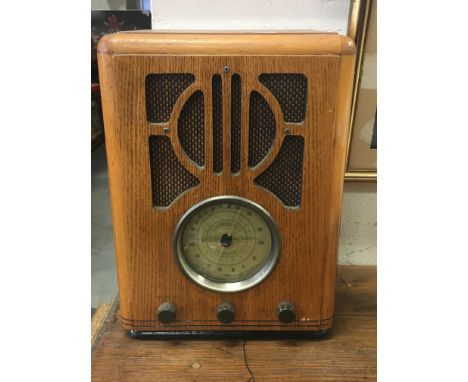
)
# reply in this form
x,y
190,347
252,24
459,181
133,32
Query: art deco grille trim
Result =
x,y
262,128
217,123
169,178
290,89
191,128
235,122
284,176
162,92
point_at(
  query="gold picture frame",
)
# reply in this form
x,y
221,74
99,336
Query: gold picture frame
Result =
x,y
358,27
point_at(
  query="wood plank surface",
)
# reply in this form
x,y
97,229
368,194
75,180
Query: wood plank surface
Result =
x,y
98,320
348,353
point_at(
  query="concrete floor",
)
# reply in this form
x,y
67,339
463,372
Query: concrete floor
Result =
x,y
358,236
103,274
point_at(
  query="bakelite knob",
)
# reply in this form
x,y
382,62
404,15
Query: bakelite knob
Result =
x,y
286,312
167,312
225,312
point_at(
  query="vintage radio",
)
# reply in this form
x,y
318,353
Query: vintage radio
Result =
x,y
226,155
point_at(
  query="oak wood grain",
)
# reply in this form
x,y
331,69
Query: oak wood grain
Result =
x,y
225,43
148,273
347,354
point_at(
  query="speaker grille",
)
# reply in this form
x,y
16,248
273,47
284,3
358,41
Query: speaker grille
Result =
x,y
290,90
169,178
162,92
217,124
235,122
262,128
191,128
284,176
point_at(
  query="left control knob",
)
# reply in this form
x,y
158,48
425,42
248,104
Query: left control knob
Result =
x,y
167,312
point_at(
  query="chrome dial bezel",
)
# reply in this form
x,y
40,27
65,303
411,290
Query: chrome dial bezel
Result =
x,y
228,287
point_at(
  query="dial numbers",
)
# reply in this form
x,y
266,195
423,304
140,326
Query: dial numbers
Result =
x,y
226,242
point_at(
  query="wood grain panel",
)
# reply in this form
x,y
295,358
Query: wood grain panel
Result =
x,y
225,43
148,272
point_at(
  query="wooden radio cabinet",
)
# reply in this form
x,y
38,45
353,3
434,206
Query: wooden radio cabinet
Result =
x,y
226,155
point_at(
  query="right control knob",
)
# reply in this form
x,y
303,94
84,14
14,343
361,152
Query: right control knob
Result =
x,y
286,312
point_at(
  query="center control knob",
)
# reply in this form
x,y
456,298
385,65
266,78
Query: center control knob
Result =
x,y
286,312
166,312
225,312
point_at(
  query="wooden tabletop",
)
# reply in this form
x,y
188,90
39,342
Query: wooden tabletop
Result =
x,y
348,353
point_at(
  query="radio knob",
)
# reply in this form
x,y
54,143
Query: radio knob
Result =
x,y
166,312
225,312
286,312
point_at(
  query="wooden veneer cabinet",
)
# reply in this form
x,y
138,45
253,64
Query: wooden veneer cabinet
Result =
x,y
191,116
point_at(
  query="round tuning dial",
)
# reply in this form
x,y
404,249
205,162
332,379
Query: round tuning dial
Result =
x,y
167,313
225,312
227,243
286,312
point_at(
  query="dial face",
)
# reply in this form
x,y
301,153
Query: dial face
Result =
x,y
227,243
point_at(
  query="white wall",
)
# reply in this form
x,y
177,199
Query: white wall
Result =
x,y
321,15
114,5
